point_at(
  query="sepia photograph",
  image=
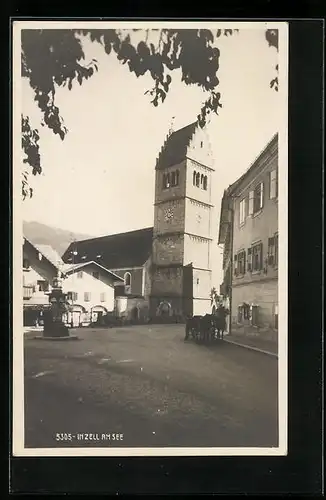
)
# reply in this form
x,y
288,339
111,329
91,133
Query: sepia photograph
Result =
x,y
149,238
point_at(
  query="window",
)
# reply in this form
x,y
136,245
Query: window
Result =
x,y
202,180
43,286
166,181
257,257
96,275
171,179
273,184
72,296
243,312
249,262
242,211
276,249
80,274
127,279
194,178
197,179
240,263
87,296
177,177
26,264
102,297
205,183
271,251
201,144
256,199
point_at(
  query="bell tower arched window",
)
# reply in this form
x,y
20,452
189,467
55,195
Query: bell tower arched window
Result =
x,y
127,279
197,179
205,182
194,178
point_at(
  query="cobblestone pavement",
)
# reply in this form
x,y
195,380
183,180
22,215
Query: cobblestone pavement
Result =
x,y
147,385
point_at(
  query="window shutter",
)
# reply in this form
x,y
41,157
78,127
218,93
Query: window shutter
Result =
x,y
244,262
261,195
236,265
249,264
261,255
251,203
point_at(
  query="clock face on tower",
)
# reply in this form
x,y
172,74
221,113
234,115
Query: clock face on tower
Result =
x,y
168,214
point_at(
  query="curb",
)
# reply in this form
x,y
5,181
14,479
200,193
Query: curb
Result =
x,y
70,337
251,348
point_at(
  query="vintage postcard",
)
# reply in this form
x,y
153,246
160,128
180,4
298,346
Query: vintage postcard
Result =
x,y
149,238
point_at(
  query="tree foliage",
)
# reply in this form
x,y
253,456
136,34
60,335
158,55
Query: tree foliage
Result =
x,y
55,58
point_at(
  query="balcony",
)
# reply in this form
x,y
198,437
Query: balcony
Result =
x,y
28,292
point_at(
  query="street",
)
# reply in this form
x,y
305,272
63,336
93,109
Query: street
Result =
x,y
143,386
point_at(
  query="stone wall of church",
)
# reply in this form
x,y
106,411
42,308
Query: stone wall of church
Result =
x,y
147,278
168,249
167,281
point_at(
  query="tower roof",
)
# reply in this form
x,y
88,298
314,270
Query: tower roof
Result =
x,y
174,149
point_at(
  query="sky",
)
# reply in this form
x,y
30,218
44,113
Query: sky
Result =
x,y
100,179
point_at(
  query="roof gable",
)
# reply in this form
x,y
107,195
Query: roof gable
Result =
x,y
174,150
37,250
77,267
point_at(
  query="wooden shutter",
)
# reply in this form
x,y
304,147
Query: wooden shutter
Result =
x,y
244,262
272,184
236,265
251,203
249,265
261,201
260,255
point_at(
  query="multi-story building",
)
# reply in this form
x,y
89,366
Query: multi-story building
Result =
x,y
249,232
90,292
38,273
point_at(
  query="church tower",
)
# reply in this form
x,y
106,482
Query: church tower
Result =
x,y
182,236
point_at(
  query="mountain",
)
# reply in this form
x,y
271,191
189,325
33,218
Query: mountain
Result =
x,y
43,234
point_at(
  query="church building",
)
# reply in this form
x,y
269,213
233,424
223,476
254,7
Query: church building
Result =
x,y
166,268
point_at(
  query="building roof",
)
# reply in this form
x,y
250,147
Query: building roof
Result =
x,y
255,164
174,149
69,269
45,253
116,251
49,252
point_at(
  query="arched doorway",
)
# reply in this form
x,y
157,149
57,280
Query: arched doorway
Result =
x,y
97,314
165,309
75,316
135,314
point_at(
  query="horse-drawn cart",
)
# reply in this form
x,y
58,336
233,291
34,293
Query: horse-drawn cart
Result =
x,y
207,328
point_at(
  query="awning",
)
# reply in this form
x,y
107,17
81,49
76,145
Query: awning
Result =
x,y
36,307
